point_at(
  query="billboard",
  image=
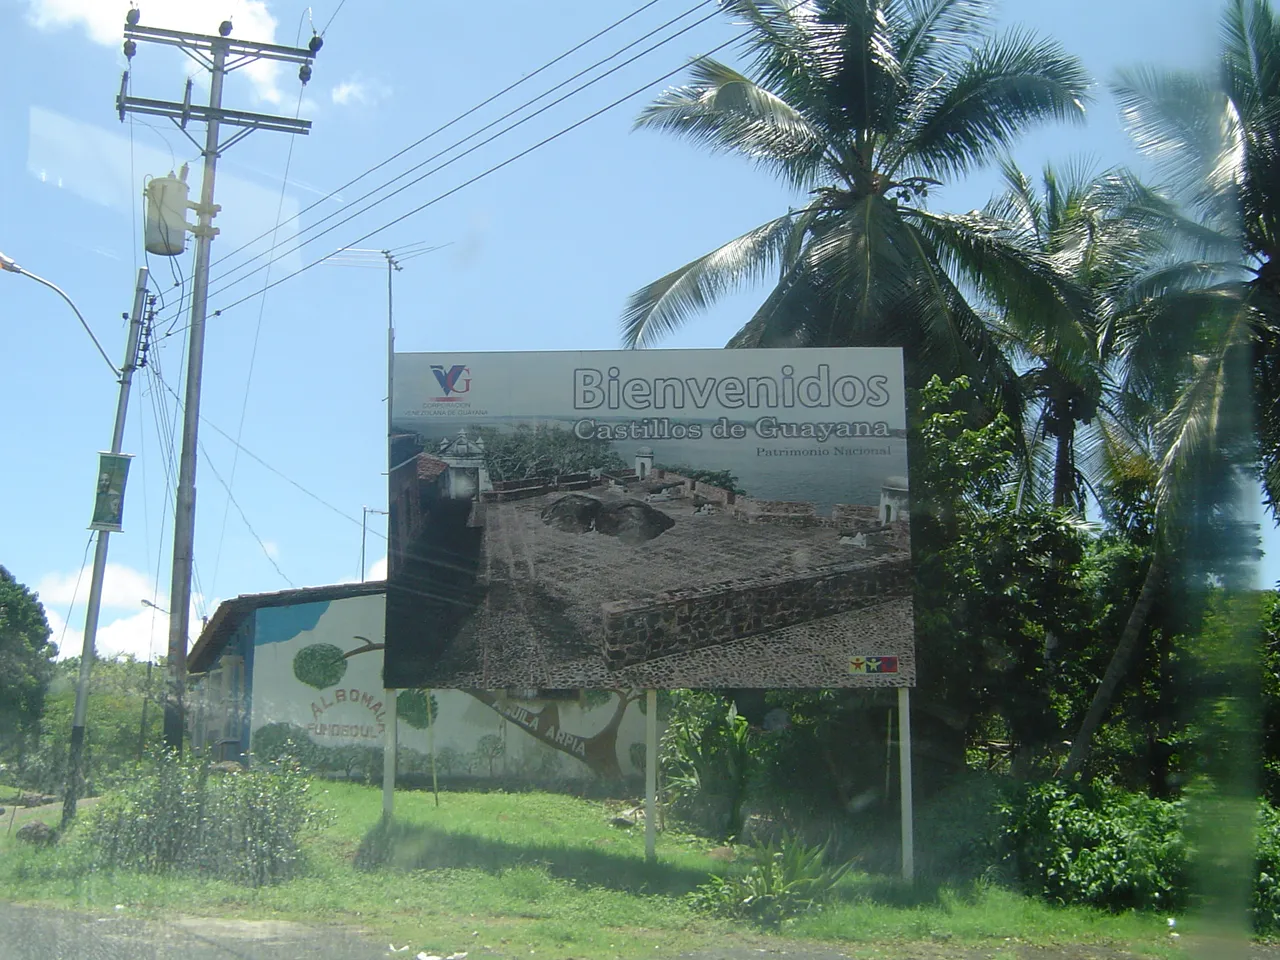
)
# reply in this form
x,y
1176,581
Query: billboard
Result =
x,y
665,518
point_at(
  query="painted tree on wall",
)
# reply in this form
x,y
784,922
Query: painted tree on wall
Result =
x,y
323,665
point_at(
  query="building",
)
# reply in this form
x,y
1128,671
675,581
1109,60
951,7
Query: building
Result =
x,y
894,501
307,664
644,462
468,475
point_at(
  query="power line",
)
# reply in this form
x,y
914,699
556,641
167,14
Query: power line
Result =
x,y
257,459
253,352
462,116
457,143
75,591
226,286
240,510
169,450
333,16
496,167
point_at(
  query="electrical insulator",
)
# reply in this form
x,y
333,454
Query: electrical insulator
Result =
x,y
315,43
166,221
130,48
304,72
133,16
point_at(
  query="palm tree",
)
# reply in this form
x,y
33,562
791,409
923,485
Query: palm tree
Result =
x,y
1201,341
1075,223
866,105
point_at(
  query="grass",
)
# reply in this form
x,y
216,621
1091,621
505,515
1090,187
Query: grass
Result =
x,y
506,874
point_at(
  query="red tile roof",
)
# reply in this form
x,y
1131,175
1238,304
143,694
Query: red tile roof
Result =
x,y
430,467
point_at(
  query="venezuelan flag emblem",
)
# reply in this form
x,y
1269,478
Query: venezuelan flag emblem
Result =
x,y
873,665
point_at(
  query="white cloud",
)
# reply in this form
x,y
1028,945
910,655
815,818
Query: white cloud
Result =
x,y
378,571
122,587
143,634
271,549
135,628
360,91
103,21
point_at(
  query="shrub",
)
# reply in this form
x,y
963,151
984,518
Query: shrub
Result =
x,y
958,830
709,760
242,827
785,880
1266,888
1097,845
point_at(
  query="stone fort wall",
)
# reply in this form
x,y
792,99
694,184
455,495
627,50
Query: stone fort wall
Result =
x,y
676,621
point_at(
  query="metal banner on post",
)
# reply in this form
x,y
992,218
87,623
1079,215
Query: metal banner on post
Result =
x,y
904,781
390,749
108,507
651,776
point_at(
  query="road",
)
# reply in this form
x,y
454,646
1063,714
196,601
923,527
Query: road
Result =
x,y
38,933
35,933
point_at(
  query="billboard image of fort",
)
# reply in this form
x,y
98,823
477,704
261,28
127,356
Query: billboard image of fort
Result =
x,y
538,541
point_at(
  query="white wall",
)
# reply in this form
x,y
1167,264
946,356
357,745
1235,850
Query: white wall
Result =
x,y
353,711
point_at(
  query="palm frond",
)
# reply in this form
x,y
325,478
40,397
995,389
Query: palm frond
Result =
x,y
793,315
1009,84
1188,126
937,35
1021,281
724,110
664,305
1251,54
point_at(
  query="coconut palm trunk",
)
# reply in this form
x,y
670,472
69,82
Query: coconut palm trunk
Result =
x,y
1130,638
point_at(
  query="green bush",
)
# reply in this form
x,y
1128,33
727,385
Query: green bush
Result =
x,y
1097,845
1266,888
958,830
241,827
709,761
784,880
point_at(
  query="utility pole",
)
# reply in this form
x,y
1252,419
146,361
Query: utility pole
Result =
x,y
220,55
75,772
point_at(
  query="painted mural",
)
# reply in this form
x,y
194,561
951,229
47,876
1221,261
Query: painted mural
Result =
x,y
316,674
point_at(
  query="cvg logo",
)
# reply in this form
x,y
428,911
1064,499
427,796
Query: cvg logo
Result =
x,y
453,380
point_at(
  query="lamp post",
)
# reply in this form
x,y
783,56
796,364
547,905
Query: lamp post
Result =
x,y
103,522
8,264
364,529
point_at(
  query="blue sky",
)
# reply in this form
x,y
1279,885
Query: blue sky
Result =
x,y
542,254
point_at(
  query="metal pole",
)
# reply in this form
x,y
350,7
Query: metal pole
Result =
x,y
390,747
142,727
651,776
75,773
431,746
364,529
184,519
904,777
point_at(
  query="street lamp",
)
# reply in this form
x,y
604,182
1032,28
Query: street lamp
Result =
x,y
364,529
106,517
8,264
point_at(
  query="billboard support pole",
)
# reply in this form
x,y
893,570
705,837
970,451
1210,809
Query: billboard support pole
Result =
x,y
390,747
651,776
74,771
904,780
431,746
